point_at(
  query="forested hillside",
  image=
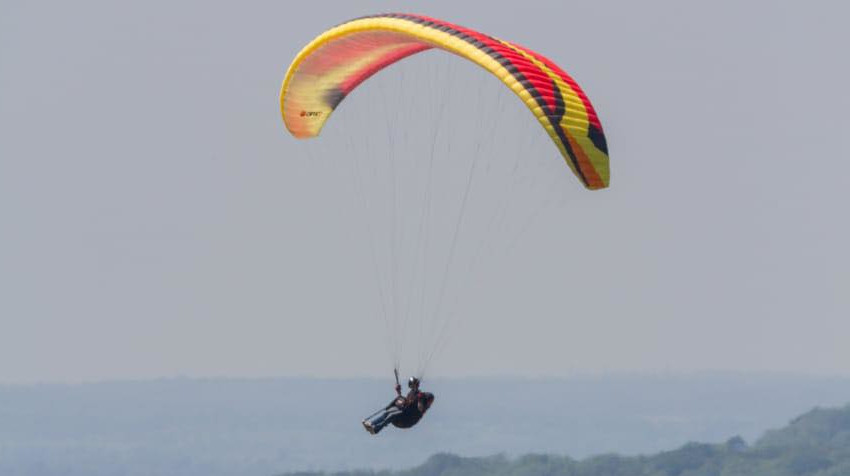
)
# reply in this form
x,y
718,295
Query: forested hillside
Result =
x,y
814,444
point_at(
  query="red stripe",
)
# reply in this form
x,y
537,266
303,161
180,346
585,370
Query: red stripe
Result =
x,y
591,113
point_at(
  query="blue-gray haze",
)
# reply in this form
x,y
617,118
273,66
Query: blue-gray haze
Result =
x,y
262,427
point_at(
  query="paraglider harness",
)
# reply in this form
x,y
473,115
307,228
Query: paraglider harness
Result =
x,y
402,411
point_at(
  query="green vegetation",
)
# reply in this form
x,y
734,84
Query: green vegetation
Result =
x,y
815,444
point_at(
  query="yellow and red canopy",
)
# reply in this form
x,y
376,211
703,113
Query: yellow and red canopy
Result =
x,y
338,60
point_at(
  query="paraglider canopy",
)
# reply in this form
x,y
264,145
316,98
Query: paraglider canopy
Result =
x,y
338,60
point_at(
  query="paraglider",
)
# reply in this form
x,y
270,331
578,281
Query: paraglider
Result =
x,y
336,62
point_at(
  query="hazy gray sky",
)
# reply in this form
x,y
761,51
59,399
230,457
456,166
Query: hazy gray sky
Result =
x,y
157,220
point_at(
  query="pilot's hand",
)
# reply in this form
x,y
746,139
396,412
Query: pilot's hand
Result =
x,y
398,389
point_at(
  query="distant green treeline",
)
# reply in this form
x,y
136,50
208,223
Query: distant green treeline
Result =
x,y
814,444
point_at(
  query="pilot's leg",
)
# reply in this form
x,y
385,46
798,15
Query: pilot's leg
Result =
x,y
381,420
